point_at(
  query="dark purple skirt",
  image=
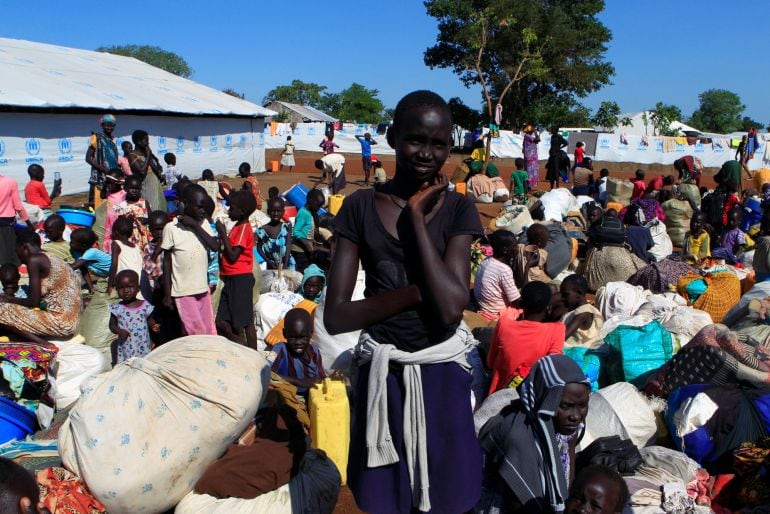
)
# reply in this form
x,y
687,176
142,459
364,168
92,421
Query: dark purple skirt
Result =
x,y
454,454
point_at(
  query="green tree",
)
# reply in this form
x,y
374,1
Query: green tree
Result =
x,y
523,53
331,104
464,117
154,56
747,123
558,110
661,118
607,115
359,104
719,111
233,92
298,92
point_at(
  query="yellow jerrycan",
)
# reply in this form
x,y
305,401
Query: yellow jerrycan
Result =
x,y
335,203
330,422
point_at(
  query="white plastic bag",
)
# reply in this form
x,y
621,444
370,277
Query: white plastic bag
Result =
x,y
142,434
274,502
75,364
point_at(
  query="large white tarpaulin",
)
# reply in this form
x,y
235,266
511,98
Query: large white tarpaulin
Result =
x,y
609,147
49,76
59,142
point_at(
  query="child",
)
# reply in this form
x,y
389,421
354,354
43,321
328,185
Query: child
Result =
x,y
187,241
213,270
305,229
273,192
298,361
274,239
519,180
580,152
35,192
133,207
583,321
366,154
152,264
733,238
697,242
125,254
89,260
250,183
529,262
19,491
123,164
494,287
236,305
287,156
129,319
601,188
380,177
519,341
328,143
211,186
597,489
171,174
168,319
10,277
639,185
54,227
731,201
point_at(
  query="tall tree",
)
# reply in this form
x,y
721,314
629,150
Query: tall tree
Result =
x,y
607,115
719,111
747,123
331,103
661,118
233,92
522,53
154,56
359,104
464,117
298,92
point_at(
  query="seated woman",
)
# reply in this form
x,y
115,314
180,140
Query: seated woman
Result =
x,y
530,445
608,259
638,237
583,321
53,285
494,288
517,343
486,188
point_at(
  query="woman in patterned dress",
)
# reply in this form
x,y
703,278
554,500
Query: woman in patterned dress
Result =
x,y
531,139
52,307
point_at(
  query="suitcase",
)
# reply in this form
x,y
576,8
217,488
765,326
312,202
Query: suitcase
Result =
x,y
330,421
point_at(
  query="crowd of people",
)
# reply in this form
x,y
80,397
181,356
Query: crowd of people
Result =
x,y
463,398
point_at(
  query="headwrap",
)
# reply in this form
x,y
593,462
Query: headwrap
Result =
x,y
107,118
310,272
524,442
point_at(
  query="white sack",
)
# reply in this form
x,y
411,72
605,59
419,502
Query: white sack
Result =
x,y
75,364
274,502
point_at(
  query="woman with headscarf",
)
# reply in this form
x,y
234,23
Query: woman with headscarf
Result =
x,y
313,283
530,445
102,155
144,163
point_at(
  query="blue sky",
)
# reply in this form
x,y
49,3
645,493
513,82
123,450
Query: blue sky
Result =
x,y
662,50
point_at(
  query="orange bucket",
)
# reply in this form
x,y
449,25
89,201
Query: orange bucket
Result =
x,y
274,165
462,188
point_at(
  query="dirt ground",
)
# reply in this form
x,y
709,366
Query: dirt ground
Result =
x,y
305,172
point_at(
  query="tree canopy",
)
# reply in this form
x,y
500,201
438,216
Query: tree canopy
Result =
x,y
662,116
535,54
360,105
606,116
719,111
233,92
153,55
747,123
298,92
464,117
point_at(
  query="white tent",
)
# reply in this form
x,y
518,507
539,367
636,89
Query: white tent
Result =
x,y
641,125
51,98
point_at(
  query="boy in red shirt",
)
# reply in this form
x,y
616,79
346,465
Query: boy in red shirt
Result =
x,y
236,305
639,185
35,192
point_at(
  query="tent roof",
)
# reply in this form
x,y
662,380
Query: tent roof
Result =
x,y
41,76
307,112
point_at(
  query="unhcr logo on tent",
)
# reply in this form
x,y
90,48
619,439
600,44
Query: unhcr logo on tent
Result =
x,y
65,149
3,161
213,144
180,144
32,146
197,144
228,141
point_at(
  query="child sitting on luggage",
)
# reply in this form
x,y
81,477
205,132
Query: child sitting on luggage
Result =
x,y
298,361
584,321
89,260
10,277
697,242
130,319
